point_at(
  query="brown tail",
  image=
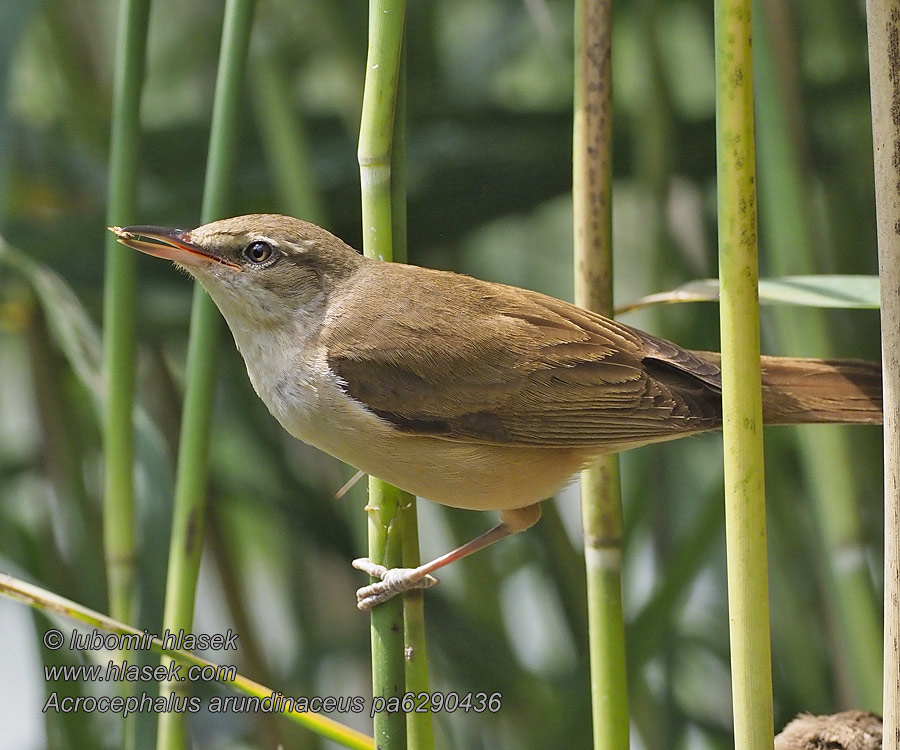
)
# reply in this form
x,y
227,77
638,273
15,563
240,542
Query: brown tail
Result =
x,y
798,391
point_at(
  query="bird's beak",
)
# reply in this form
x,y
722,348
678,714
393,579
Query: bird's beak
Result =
x,y
172,244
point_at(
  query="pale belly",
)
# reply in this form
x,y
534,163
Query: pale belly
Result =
x,y
477,477
459,474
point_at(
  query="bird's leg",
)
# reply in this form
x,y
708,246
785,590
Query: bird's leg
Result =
x,y
397,580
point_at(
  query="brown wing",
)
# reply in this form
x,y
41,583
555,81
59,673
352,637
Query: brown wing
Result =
x,y
496,364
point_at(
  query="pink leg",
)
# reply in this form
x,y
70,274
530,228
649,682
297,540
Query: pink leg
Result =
x,y
398,580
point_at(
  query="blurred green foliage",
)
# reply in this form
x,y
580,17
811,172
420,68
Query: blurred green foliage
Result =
x,y
489,165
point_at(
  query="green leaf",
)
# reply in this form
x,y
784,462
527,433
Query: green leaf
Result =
x,y
842,291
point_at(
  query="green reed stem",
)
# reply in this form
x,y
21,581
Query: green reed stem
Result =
x,y
745,509
119,346
119,312
380,195
190,484
419,725
601,500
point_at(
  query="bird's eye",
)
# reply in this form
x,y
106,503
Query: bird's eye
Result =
x,y
258,252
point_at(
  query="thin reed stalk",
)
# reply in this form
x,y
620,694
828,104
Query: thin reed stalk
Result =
x,y
601,500
119,346
382,198
190,485
419,724
884,72
745,508
119,312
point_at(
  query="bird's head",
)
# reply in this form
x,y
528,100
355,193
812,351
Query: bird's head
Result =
x,y
261,269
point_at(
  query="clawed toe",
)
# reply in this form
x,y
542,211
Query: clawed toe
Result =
x,y
393,581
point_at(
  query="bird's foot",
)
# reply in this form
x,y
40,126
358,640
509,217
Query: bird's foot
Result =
x,y
393,581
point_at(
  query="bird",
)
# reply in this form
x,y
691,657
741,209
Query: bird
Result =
x,y
469,393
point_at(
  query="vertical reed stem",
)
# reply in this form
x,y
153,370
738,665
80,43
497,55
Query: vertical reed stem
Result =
x,y
419,725
379,197
119,347
190,484
745,509
600,492
884,71
118,311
